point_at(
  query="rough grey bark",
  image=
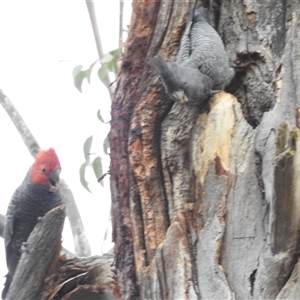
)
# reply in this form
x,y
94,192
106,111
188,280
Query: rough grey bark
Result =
x,y
206,202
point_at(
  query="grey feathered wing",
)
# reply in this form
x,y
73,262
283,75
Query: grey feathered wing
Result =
x,y
8,234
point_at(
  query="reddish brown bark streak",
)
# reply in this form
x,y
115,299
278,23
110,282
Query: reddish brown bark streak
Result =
x,y
140,33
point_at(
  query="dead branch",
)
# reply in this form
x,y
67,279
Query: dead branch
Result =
x,y
81,278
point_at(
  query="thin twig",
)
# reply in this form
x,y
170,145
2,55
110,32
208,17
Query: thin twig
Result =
x,y
102,177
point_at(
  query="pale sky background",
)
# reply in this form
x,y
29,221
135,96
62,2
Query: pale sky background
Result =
x,y
35,37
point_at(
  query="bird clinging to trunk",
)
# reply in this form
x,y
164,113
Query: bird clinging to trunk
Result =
x,y
201,65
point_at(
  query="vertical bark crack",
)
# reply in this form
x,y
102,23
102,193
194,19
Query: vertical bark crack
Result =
x,y
192,240
252,281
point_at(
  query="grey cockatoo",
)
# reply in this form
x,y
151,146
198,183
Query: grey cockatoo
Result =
x,y
38,194
202,47
183,84
201,65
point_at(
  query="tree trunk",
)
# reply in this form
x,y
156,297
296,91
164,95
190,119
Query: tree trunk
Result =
x,y
206,204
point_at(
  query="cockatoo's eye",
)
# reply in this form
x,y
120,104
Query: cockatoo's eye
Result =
x,y
44,170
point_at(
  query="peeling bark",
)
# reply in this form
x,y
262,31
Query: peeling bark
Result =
x,y
205,201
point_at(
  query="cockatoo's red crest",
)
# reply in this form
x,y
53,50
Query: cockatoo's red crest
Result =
x,y
46,162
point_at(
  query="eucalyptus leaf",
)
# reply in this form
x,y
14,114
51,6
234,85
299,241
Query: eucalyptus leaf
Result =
x,y
115,52
112,66
101,74
99,116
97,167
106,145
87,74
87,148
107,58
82,171
77,70
78,79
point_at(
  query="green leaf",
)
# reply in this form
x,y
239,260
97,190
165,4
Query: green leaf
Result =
x,y
79,75
77,70
106,145
99,116
78,79
82,176
115,53
107,58
92,65
112,66
87,74
97,167
87,148
101,74
111,60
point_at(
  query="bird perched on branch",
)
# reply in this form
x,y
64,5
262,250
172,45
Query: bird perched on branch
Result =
x,y
38,194
201,65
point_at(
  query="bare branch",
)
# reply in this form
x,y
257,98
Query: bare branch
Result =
x,y
82,246
91,8
19,123
43,247
121,26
